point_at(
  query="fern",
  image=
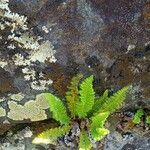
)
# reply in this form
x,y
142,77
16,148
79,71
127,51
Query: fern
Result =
x,y
72,96
138,115
57,108
87,96
82,103
114,102
100,133
99,102
50,135
84,143
97,126
148,119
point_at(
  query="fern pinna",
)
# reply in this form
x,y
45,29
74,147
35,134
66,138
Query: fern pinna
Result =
x,y
88,111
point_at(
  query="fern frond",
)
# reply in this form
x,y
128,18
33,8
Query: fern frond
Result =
x,y
98,120
115,101
72,96
87,96
51,135
57,108
99,102
138,115
148,119
84,143
100,134
97,126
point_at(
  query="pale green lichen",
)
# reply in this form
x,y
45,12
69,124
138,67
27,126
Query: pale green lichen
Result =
x,y
2,99
37,50
17,97
2,112
33,109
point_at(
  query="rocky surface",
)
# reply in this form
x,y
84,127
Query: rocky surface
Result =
x,y
43,44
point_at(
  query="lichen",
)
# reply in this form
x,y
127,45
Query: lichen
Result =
x,y
2,112
45,29
2,99
41,84
22,37
33,109
43,53
3,63
17,97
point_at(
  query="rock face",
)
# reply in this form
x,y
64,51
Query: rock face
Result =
x,y
44,43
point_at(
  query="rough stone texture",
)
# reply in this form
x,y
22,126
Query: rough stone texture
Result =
x,y
57,39
109,40
127,142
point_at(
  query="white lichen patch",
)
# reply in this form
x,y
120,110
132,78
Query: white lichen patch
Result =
x,y
130,47
19,60
41,84
2,99
45,29
15,17
44,53
27,132
33,109
11,46
2,112
21,37
38,52
26,41
17,97
29,73
3,63
2,27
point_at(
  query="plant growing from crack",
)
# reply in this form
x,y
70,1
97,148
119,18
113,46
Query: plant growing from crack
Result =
x,y
85,115
138,116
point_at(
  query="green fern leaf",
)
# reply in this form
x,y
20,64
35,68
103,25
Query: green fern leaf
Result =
x,y
97,126
72,96
148,119
84,143
87,96
57,108
51,135
100,134
99,102
138,115
114,102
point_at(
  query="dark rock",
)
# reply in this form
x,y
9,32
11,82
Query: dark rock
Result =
x,y
107,39
129,147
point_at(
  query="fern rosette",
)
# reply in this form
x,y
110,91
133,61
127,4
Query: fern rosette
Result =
x,y
86,110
